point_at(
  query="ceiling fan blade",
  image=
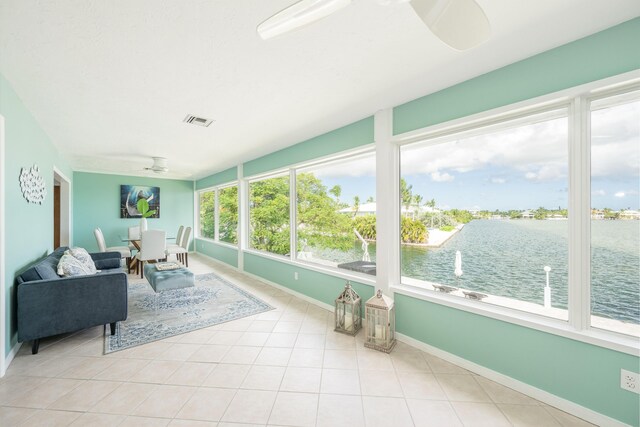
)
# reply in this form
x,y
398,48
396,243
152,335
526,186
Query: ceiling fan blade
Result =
x,y
299,14
462,24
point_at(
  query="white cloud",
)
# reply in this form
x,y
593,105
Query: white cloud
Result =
x,y
498,180
599,193
620,194
615,145
360,166
442,177
525,149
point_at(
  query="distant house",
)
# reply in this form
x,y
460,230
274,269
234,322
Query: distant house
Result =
x,y
527,215
630,214
363,209
370,209
597,214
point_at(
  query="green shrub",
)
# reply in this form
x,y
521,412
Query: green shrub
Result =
x,y
413,231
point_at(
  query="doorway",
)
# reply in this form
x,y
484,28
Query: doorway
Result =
x,y
61,209
3,323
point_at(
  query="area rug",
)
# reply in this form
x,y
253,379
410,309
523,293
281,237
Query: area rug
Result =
x,y
153,317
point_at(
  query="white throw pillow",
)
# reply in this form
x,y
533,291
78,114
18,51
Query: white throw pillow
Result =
x,y
70,266
83,256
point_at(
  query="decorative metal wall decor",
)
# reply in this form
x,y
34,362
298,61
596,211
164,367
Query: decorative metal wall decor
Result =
x,y
32,185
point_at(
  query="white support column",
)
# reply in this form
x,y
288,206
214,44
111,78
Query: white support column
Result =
x,y
387,202
216,214
3,291
293,216
196,216
243,217
579,214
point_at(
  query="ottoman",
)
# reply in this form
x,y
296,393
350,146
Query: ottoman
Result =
x,y
168,279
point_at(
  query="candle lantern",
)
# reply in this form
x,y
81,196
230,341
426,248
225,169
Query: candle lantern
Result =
x,y
380,319
348,309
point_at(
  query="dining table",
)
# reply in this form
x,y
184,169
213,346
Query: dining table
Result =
x,y
137,243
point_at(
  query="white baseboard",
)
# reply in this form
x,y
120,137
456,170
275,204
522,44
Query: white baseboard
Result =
x,y
12,354
524,388
292,292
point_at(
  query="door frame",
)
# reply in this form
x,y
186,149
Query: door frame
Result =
x,y
3,289
65,206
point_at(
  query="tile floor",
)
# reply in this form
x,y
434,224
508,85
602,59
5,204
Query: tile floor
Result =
x,y
285,367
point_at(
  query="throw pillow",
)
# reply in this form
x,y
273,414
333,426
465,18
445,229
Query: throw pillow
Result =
x,y
70,266
83,256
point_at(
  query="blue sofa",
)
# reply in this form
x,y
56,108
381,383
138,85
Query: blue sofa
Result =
x,y
50,305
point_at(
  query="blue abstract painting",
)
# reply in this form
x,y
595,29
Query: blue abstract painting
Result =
x,y
129,196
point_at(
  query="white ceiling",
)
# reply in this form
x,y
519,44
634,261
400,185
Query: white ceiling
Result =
x,y
111,81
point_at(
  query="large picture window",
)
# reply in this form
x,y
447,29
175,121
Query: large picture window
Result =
x,y
269,215
220,225
615,213
336,214
484,214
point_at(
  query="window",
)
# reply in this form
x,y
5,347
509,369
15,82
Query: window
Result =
x,y
228,214
207,217
615,213
484,214
220,225
269,215
336,213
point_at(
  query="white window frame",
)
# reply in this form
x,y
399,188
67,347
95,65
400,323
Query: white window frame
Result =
x,y
291,171
280,173
578,99
303,167
216,214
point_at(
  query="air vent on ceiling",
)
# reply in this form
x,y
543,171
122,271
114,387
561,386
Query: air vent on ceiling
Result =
x,y
200,121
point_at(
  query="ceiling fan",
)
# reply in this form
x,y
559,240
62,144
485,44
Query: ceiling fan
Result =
x,y
461,24
159,165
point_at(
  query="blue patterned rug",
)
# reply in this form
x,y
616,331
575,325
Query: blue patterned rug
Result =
x,y
153,317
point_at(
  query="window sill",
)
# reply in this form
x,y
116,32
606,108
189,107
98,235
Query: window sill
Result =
x,y
612,341
343,274
215,242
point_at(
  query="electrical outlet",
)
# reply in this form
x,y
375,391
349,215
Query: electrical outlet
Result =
x,y
630,381
295,275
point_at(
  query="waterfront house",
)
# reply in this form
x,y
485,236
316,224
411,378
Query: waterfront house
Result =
x,y
253,143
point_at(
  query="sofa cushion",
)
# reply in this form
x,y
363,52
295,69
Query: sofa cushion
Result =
x,y
83,256
45,269
71,266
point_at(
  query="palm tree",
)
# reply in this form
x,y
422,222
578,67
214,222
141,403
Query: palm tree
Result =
x,y
336,190
356,205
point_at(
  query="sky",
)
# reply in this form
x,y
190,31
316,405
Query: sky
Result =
x,y
521,167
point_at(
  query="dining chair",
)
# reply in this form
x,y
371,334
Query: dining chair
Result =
x,y
178,240
153,245
125,252
180,250
134,234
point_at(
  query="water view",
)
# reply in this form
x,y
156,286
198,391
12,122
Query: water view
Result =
x,y
507,258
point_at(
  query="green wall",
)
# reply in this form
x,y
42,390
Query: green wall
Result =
x,y
604,54
29,227
96,203
319,286
220,252
351,136
223,177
